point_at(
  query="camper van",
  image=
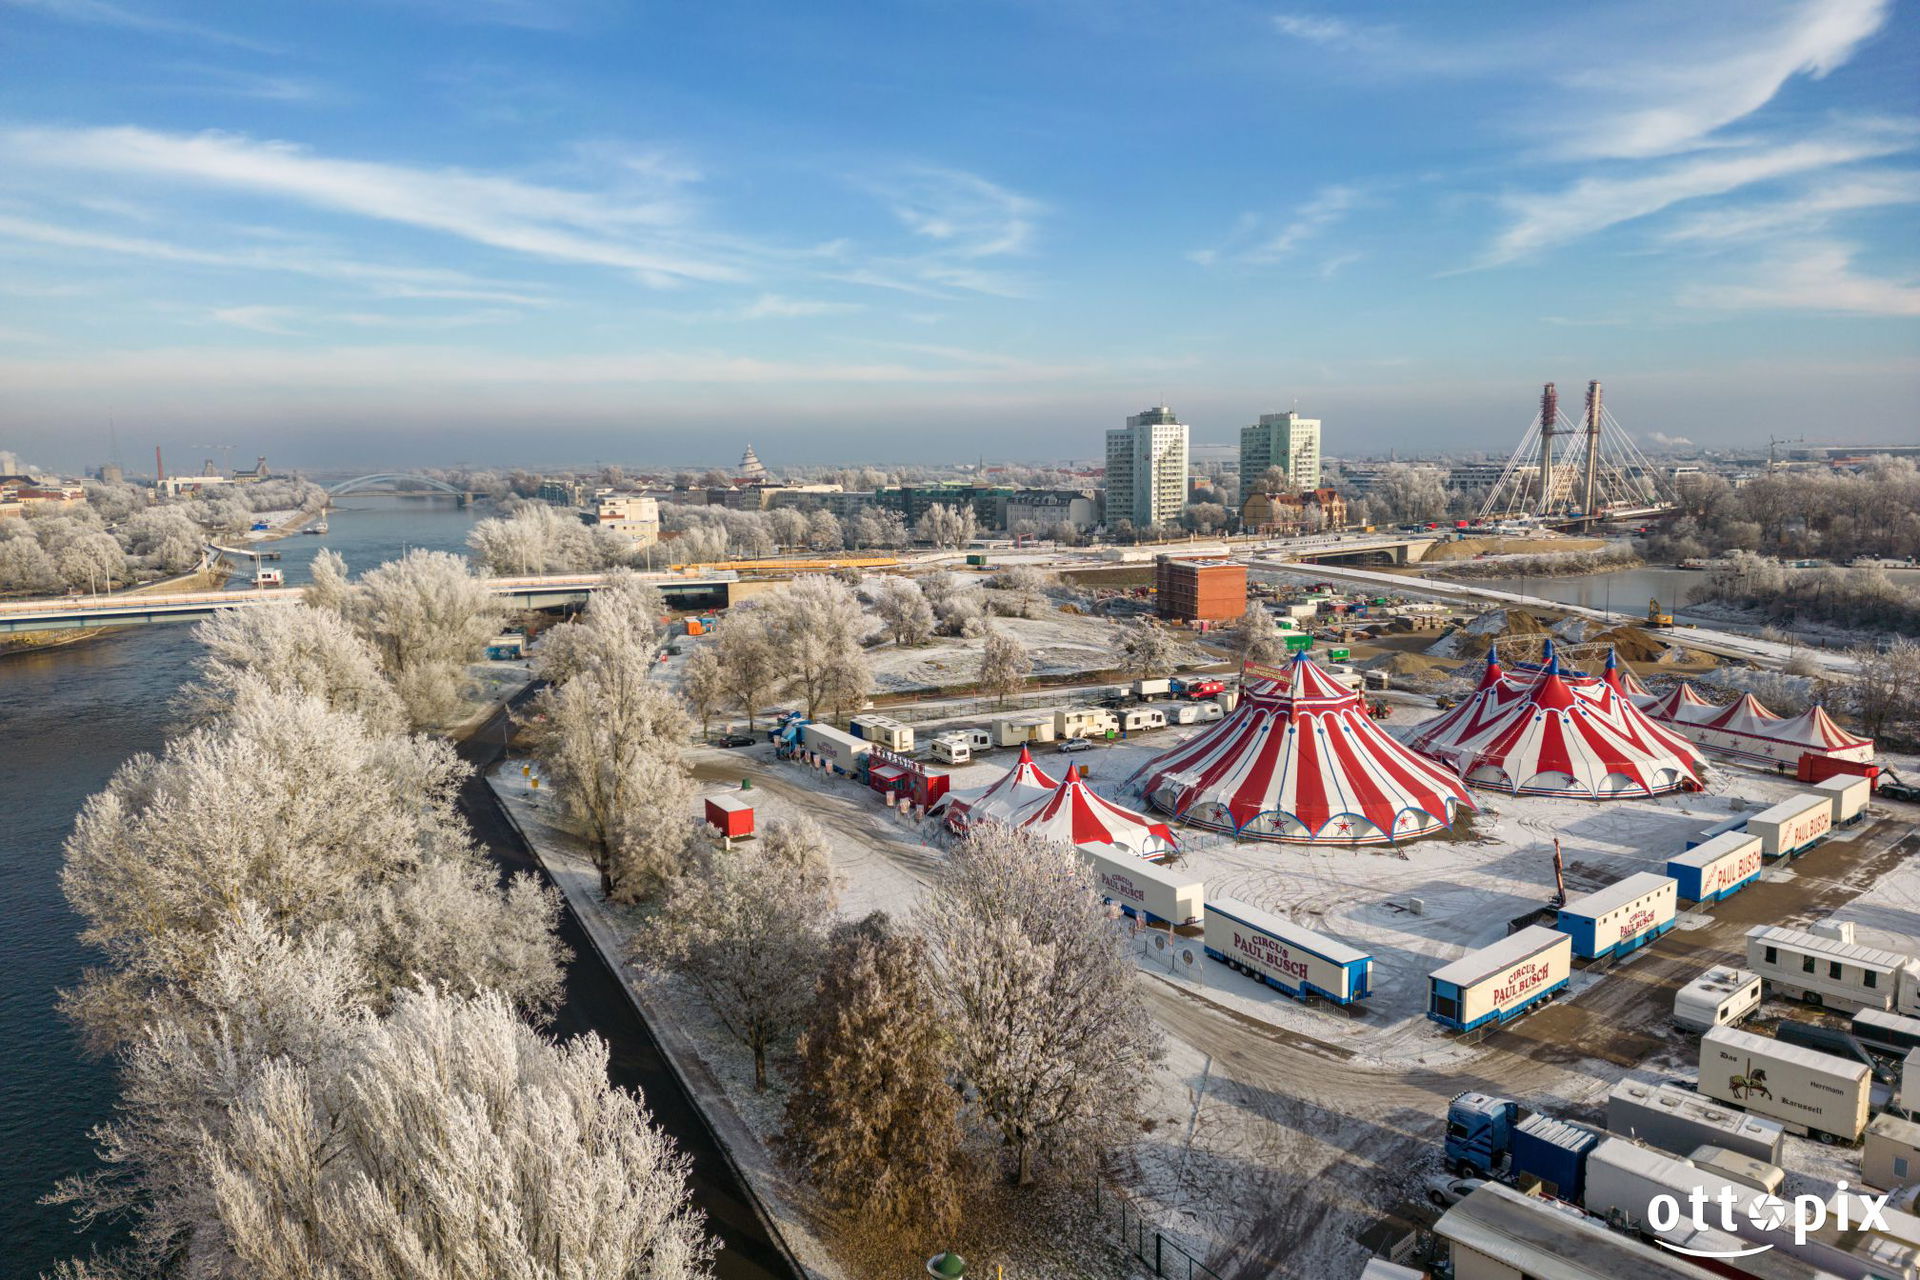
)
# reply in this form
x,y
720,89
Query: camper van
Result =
x,y
1720,997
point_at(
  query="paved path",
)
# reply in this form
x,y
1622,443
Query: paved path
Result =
x,y
594,1000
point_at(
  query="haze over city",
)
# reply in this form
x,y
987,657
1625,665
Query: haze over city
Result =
x,y
415,232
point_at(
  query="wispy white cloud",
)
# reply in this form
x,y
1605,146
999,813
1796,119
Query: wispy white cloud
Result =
x,y
1817,277
1328,206
963,213
260,319
232,82
1334,33
539,221
1592,204
100,13
1809,209
779,307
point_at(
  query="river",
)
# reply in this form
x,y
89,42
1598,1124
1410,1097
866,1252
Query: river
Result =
x,y
69,716
1627,591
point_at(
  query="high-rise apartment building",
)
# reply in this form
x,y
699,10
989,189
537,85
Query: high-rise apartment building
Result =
x,y
1147,469
1284,440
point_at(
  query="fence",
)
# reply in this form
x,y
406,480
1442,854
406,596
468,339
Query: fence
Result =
x,y
1145,1241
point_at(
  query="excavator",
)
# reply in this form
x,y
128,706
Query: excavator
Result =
x,y
1655,618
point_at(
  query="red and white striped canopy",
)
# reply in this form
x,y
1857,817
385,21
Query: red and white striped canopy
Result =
x,y
1747,731
1013,791
1545,731
1300,760
1074,814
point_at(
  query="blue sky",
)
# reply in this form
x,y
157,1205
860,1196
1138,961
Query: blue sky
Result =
x,y
404,231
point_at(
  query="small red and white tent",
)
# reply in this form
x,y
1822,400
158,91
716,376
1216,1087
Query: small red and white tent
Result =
x,y
1544,731
1300,761
1748,732
1074,814
1013,791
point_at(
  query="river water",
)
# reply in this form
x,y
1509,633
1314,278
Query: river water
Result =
x,y
1627,591
69,717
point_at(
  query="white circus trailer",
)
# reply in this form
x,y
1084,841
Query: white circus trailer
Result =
x,y
1500,981
1724,864
841,749
1011,731
1282,954
1848,794
1623,1178
1832,972
1141,888
1809,1092
1084,722
1793,826
1622,917
1680,1120
882,731
1720,997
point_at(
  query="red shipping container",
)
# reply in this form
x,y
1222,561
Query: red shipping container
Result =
x,y
1818,768
730,816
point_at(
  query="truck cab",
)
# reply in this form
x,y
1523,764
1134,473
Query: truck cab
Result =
x,y
1479,1133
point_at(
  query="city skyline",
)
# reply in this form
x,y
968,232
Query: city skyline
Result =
x,y
542,234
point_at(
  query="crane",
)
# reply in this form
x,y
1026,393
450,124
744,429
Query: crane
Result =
x,y
1773,444
226,453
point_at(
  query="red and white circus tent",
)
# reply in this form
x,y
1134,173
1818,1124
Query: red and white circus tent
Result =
x,y
1012,792
1074,814
1748,732
1300,760
1546,731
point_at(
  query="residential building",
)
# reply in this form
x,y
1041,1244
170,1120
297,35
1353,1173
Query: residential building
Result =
x,y
1284,440
1199,590
634,514
1307,512
562,491
1046,508
1147,469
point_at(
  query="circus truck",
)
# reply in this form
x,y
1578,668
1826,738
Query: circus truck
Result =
x,y
1719,867
1810,1093
1620,918
1293,960
1498,983
1141,888
1793,826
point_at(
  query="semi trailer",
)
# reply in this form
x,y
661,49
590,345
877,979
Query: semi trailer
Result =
x,y
1811,1093
1498,983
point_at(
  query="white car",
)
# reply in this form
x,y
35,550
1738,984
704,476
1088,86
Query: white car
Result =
x,y
1444,1190
1072,745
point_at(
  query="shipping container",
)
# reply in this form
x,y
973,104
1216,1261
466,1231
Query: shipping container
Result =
x,y
1848,795
1720,997
1813,1093
1835,974
841,749
1140,888
730,815
1814,767
1297,642
1623,1177
1679,1120
1747,1171
1284,955
882,731
1555,1152
1153,688
1497,982
1620,918
1793,826
1722,865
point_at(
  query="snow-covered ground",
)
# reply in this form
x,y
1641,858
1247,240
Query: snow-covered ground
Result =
x,y
1059,644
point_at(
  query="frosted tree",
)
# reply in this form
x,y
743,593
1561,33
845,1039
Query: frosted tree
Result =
x,y
872,1117
1257,637
1004,665
824,532
817,624
327,584
25,566
611,743
323,822
703,683
1147,650
295,649
1023,590
427,617
621,625
1884,692
748,926
889,530
751,663
947,526
1403,492
788,526
537,538
1039,994
904,608
448,1140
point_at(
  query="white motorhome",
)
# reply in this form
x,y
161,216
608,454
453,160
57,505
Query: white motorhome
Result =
x,y
1717,998
1833,973
952,748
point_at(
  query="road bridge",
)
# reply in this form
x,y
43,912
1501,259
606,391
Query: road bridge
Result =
x,y
538,591
398,482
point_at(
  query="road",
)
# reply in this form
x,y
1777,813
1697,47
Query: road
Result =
x,y
1295,1147
594,1001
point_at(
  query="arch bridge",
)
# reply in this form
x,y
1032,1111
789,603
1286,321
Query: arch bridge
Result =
x,y
398,482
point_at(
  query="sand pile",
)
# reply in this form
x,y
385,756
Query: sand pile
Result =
x,y
1473,639
1632,644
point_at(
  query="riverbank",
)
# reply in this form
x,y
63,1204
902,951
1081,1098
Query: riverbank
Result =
x,y
40,641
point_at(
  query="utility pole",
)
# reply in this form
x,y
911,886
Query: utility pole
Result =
x,y
1549,419
1593,443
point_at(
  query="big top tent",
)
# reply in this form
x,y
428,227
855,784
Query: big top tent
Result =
x,y
1000,801
1300,760
1748,732
1542,730
1074,814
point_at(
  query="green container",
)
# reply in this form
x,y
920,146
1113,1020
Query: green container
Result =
x,y
1339,655
977,560
1298,643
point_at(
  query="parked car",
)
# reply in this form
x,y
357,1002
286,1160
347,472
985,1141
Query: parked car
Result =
x,y
735,740
1072,745
1444,1190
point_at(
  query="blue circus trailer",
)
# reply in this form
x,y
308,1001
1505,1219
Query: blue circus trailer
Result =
x,y
1294,961
1620,918
1718,868
1498,983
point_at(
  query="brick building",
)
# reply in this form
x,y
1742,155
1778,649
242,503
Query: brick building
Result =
x,y
1203,590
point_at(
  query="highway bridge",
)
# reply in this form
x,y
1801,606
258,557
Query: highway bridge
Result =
x,y
539,591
